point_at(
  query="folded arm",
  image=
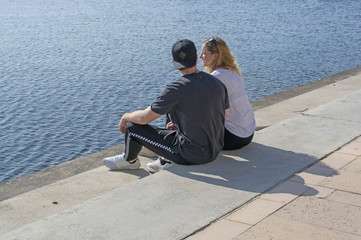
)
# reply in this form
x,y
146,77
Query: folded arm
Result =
x,y
139,117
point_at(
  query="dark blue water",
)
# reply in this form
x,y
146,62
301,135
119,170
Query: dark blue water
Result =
x,y
69,69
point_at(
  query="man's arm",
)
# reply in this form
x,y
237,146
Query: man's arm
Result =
x,y
139,117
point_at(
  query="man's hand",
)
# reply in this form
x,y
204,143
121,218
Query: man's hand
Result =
x,y
139,117
123,123
170,126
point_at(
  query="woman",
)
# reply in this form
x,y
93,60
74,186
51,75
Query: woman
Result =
x,y
240,123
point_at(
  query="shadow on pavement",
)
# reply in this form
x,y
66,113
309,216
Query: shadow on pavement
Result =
x,y
254,168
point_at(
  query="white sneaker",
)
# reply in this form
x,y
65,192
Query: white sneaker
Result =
x,y
156,166
118,162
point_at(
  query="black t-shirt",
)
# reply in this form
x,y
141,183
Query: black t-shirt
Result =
x,y
196,104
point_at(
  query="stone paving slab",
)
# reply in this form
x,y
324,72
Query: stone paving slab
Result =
x,y
147,201
354,165
302,207
346,197
324,213
350,113
292,107
282,228
61,195
184,194
346,181
310,135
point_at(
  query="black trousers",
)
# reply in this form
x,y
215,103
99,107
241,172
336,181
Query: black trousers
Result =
x,y
162,142
233,142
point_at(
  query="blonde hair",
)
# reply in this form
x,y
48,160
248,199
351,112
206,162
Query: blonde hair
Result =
x,y
225,58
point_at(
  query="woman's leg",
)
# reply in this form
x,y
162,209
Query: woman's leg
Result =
x,y
233,142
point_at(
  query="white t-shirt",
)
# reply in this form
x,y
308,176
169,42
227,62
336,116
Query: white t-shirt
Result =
x,y
240,116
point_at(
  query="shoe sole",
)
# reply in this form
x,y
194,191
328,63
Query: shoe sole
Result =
x,y
152,170
129,167
133,166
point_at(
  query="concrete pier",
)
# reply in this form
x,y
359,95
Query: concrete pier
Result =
x,y
304,160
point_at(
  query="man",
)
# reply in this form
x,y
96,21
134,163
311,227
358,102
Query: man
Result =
x,y
195,104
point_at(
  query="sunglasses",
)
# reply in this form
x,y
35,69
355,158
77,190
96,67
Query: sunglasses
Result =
x,y
214,41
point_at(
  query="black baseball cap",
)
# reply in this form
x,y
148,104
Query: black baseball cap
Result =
x,y
184,54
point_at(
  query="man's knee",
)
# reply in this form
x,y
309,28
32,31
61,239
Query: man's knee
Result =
x,y
129,125
133,127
